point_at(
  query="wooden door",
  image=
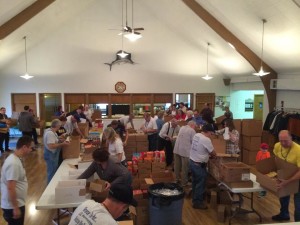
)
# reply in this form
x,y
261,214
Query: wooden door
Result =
x,y
258,107
202,98
18,101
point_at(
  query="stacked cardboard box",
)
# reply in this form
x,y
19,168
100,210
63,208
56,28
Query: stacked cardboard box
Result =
x,y
251,136
215,165
219,143
270,139
141,142
236,174
130,148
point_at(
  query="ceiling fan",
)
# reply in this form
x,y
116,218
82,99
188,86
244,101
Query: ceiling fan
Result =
x,y
127,29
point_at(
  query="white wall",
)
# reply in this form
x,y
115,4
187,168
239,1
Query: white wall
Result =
x,y
237,104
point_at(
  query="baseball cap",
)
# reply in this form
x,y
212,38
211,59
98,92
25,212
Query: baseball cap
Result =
x,y
122,193
264,146
208,128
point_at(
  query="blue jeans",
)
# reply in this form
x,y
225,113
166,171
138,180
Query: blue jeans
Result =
x,y
284,209
199,175
51,159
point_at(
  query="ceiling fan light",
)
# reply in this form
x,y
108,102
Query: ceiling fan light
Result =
x,y
132,36
26,76
261,72
122,54
207,77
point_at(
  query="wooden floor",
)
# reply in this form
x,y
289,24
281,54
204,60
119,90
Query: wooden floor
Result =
x,y
36,174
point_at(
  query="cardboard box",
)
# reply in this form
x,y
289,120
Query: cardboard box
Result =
x,y
235,172
214,165
142,146
141,212
251,143
131,144
249,157
97,189
127,222
158,166
131,137
145,183
141,137
238,125
219,119
284,171
252,127
73,149
240,184
219,144
83,165
70,191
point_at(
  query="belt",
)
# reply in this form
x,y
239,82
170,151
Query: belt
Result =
x,y
202,164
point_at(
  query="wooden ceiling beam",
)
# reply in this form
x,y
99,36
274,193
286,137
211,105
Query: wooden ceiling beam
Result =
x,y
240,47
21,18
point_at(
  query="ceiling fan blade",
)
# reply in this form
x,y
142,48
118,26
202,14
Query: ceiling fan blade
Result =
x,y
137,33
140,28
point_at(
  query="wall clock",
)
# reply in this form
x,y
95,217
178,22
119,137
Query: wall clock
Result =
x,y
120,87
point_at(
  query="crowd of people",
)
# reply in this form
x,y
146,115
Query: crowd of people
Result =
x,y
187,152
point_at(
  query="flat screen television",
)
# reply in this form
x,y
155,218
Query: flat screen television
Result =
x,y
120,109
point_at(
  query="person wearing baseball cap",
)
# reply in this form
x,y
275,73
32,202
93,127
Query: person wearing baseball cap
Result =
x,y
263,153
119,198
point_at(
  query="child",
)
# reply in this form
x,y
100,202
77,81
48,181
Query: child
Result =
x,y
263,153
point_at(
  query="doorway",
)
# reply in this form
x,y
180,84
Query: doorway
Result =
x,y
48,105
258,107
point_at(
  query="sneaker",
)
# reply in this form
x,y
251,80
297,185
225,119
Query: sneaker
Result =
x,y
280,218
200,206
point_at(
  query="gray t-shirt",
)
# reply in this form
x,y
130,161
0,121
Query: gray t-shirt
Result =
x,y
184,141
13,169
201,147
92,213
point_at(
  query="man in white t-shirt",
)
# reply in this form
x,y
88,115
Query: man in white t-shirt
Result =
x,y
119,198
71,124
201,150
127,119
150,128
14,183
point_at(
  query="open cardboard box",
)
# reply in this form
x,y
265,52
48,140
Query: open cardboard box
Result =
x,y
97,189
70,191
284,170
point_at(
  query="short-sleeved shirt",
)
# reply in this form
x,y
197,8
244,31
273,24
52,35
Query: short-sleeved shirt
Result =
x,y
291,155
184,141
13,169
150,125
116,148
50,137
69,125
201,148
92,213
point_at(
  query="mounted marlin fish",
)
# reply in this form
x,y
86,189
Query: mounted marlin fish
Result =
x,y
121,60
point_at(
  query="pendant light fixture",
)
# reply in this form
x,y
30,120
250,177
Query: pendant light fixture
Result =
x,y
122,54
261,71
132,36
207,77
26,75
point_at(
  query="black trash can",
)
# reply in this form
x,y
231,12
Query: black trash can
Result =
x,y
165,204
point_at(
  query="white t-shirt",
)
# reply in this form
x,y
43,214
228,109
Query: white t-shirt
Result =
x,y
201,147
50,137
125,120
69,126
13,169
116,148
92,213
150,125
